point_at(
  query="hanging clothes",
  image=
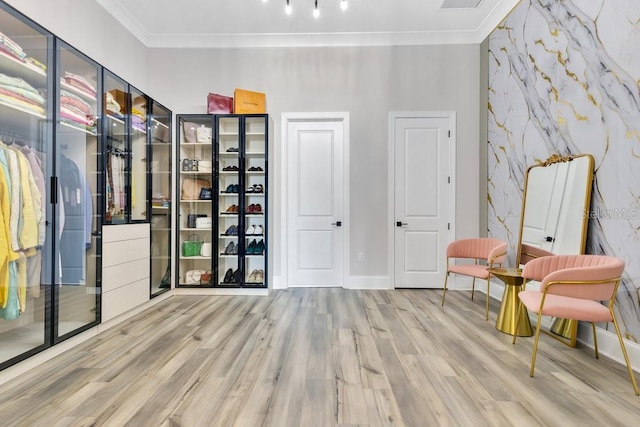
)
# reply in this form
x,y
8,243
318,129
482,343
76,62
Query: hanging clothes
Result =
x,y
8,258
115,194
72,241
7,255
34,263
25,215
30,213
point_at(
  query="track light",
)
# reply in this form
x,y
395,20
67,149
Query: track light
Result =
x,y
344,4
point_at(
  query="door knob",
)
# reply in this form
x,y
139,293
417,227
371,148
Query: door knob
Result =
x,y
337,223
401,224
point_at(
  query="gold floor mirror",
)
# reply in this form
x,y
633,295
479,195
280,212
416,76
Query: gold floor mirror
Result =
x,y
555,207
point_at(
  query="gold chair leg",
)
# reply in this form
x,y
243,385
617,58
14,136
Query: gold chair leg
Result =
x,y
486,310
574,333
624,353
595,338
535,344
444,291
473,288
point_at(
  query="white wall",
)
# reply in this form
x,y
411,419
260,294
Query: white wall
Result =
x,y
89,28
368,82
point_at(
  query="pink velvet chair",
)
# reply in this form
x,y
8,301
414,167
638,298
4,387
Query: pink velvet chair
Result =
x,y
492,252
572,287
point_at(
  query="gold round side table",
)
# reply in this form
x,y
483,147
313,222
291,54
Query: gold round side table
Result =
x,y
506,322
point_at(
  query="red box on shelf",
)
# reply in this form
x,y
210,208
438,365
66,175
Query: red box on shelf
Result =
x,y
219,104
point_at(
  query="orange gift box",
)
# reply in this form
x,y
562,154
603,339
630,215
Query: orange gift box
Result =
x,y
248,102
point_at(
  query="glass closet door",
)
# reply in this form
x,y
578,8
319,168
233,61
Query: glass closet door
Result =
x,y
196,221
160,130
230,202
255,200
25,169
138,175
116,110
78,220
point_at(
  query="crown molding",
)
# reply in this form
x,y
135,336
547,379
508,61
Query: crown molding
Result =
x,y
266,40
126,19
309,39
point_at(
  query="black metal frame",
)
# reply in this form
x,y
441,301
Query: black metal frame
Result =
x,y
215,205
243,162
180,118
47,138
58,45
130,220
150,152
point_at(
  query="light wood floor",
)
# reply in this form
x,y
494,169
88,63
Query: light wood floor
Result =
x,y
319,357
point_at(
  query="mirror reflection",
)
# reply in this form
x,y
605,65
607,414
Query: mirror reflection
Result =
x,y
556,201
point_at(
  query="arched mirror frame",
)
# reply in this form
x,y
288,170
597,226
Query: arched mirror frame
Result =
x,y
526,252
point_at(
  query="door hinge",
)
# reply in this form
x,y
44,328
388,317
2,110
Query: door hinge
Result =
x,y
449,134
448,180
448,226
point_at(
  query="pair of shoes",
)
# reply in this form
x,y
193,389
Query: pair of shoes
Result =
x,y
232,150
255,248
231,249
254,209
255,169
256,276
231,276
231,231
232,209
254,230
232,188
230,168
255,188
228,276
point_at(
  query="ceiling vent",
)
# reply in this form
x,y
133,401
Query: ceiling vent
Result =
x,y
459,4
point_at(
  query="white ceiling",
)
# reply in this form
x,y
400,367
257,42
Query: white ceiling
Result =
x,y
254,23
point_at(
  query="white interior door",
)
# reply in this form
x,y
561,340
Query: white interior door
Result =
x,y
315,208
421,193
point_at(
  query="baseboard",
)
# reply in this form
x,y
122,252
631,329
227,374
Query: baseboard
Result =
x,y
222,291
369,282
38,359
354,282
608,345
278,283
465,283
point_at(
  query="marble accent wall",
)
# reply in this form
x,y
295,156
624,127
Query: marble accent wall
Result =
x,y
564,77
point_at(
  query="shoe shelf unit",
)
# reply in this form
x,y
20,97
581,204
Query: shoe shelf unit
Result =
x,y
196,205
238,206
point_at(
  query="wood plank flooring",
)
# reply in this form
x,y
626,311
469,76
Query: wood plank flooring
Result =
x,y
319,357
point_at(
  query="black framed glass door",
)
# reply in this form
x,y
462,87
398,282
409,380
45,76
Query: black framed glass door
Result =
x,y
26,237
78,215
